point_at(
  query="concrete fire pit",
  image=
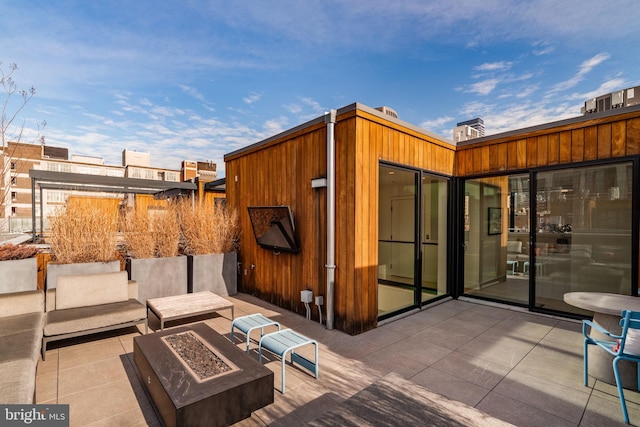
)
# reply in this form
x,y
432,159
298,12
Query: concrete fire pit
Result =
x,y
196,377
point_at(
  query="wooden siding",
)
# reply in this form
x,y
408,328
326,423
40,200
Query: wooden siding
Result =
x,y
377,141
280,173
603,138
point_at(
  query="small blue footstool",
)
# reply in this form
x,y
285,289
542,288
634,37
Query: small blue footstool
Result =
x,y
284,341
248,323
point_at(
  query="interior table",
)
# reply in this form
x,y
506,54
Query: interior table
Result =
x,y
607,310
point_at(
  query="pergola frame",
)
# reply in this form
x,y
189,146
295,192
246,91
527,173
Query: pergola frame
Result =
x,y
48,180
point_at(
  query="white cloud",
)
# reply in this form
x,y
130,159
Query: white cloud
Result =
x,y
527,92
484,87
583,70
436,123
293,108
544,51
252,98
494,66
275,126
315,105
606,87
193,92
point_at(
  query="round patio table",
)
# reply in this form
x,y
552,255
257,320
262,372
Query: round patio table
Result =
x,y
607,312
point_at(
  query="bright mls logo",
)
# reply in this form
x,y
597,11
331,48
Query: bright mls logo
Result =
x,y
34,415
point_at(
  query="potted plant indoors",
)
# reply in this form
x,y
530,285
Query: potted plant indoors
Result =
x,y
209,239
83,238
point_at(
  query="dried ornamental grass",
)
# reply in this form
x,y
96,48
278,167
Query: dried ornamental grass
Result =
x,y
152,232
9,251
84,231
207,228
166,230
138,235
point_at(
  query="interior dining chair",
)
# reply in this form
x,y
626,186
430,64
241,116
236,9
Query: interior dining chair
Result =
x,y
614,345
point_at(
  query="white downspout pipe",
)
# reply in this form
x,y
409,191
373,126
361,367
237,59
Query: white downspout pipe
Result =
x,y
330,120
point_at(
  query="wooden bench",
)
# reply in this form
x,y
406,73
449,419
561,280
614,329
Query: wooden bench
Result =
x,y
285,341
248,323
187,305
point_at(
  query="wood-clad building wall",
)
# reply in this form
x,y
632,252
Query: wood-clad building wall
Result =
x,y
278,171
563,143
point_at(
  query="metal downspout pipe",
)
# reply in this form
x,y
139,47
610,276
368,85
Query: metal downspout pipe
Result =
x,y
330,120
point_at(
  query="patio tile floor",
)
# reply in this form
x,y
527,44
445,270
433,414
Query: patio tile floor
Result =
x,y
522,368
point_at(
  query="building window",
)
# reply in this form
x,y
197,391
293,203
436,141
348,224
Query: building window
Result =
x,y
14,166
115,172
14,195
55,197
59,167
135,173
88,170
14,210
14,180
148,174
171,176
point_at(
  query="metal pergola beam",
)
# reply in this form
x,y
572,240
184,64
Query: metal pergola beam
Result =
x,y
97,183
107,181
94,188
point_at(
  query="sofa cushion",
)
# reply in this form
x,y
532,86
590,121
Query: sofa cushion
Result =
x,y
21,346
86,318
16,303
21,323
18,382
91,289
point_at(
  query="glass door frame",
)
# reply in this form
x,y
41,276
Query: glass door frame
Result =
x,y
635,223
458,234
417,236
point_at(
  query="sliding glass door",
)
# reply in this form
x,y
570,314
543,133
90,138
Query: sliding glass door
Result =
x,y
412,233
531,238
496,238
583,220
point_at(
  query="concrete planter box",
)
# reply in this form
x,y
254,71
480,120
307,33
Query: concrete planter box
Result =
x,y
217,273
19,275
158,277
55,270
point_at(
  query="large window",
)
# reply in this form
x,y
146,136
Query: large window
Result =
x,y
583,232
531,238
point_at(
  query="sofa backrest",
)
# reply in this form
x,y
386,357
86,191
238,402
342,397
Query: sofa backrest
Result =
x,y
15,303
514,247
91,289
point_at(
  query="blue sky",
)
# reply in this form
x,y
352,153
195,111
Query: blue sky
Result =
x,y
198,79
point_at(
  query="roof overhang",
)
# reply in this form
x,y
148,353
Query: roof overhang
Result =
x,y
108,184
217,186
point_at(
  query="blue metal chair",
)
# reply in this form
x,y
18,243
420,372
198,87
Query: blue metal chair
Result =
x,y
615,347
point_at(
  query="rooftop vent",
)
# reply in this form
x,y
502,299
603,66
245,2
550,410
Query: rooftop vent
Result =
x,y
388,111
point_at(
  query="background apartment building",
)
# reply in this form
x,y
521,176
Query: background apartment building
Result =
x,y
467,130
17,197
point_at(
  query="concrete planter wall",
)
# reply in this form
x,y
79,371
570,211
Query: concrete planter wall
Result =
x,y
158,277
19,275
55,270
217,273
